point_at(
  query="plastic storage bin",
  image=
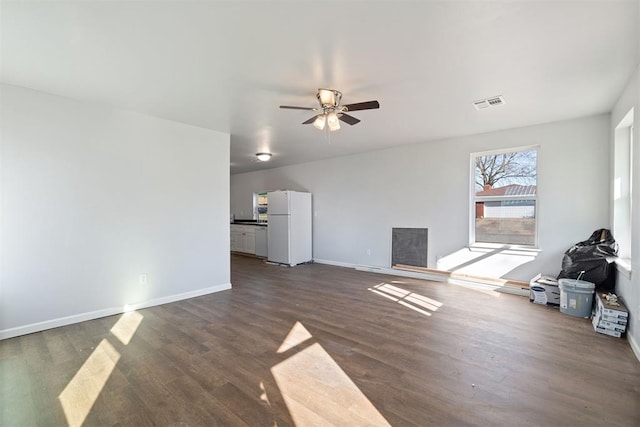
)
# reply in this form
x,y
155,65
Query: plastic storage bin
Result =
x,y
576,297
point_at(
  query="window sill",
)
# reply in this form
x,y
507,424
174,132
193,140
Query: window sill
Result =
x,y
624,267
504,248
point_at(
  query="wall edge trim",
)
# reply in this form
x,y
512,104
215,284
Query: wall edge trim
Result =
x,y
92,315
634,346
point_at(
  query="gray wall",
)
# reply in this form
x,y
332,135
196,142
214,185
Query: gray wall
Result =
x,y
93,197
359,198
628,286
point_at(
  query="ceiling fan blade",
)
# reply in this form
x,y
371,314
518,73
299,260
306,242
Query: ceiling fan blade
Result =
x,y
311,120
297,108
369,105
348,119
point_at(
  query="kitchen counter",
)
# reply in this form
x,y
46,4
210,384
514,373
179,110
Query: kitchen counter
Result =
x,y
249,222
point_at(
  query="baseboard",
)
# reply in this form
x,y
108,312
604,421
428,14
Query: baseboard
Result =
x,y
359,267
634,346
381,270
497,285
336,263
82,317
491,281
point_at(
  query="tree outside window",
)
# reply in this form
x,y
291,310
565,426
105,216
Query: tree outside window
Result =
x,y
505,197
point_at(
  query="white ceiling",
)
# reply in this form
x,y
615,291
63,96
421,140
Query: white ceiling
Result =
x,y
228,65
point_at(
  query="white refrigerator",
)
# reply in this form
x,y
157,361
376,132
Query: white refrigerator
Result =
x,y
289,227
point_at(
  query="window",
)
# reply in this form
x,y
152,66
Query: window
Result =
x,y
260,206
504,197
622,169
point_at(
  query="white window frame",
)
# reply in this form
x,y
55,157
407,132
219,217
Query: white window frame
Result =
x,y
473,199
622,192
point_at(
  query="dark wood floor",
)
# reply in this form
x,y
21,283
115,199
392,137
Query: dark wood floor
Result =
x,y
323,345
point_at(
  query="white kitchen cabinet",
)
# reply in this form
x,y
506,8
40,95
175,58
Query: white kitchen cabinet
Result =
x,y
249,240
235,237
243,238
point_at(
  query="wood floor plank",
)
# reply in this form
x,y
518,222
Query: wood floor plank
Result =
x,y
15,393
361,349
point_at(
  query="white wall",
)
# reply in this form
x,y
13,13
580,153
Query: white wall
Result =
x,y
93,197
628,286
358,199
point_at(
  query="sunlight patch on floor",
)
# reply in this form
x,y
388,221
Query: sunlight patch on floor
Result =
x,y
80,394
483,289
486,262
297,335
414,308
83,390
416,302
315,389
263,394
126,326
318,392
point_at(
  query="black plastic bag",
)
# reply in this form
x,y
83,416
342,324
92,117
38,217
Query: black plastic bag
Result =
x,y
602,241
593,257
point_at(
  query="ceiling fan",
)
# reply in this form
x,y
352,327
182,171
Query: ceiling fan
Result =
x,y
331,112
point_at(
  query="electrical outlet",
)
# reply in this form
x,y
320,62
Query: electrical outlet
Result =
x,y
142,279
369,252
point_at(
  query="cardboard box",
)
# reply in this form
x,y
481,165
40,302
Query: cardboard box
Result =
x,y
607,332
613,319
612,326
610,319
544,290
610,310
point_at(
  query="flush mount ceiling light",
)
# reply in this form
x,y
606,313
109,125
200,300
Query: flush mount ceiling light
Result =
x,y
330,112
263,157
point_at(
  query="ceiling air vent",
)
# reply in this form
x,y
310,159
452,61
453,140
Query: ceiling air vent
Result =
x,y
489,102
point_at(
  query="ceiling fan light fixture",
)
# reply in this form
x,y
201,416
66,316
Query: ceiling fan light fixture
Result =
x,y
319,122
326,97
331,111
333,122
263,157
329,97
